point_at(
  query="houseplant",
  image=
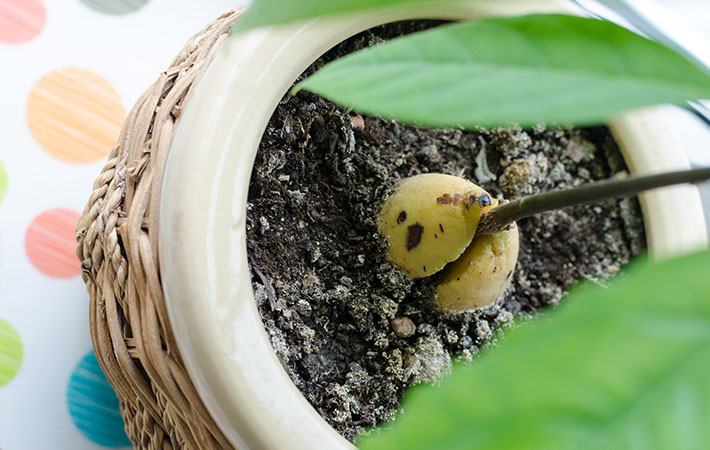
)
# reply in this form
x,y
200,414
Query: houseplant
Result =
x,y
226,82
211,312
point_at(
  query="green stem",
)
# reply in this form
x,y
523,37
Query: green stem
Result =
x,y
499,219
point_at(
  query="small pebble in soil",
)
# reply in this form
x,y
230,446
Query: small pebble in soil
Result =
x,y
403,327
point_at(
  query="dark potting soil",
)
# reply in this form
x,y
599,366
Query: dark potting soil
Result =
x,y
337,312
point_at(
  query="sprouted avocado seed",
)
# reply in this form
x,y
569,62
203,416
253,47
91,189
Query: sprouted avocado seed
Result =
x,y
430,221
433,220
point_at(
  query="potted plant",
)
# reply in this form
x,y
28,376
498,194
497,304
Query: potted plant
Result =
x,y
209,302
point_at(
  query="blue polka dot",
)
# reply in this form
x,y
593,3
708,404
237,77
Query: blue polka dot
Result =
x,y
93,404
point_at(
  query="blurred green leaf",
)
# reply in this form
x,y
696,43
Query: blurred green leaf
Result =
x,y
272,12
621,368
494,71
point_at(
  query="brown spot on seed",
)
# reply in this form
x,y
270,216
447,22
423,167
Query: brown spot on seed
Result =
x,y
414,235
403,327
401,217
471,199
436,236
424,267
444,199
457,198
441,227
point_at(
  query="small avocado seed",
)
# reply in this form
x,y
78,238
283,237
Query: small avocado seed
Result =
x,y
481,274
430,222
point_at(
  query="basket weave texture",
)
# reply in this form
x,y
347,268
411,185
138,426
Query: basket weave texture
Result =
x,y
118,248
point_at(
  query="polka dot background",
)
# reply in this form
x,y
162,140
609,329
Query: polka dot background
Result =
x,y
50,243
93,404
118,7
3,181
21,20
77,65
75,115
10,352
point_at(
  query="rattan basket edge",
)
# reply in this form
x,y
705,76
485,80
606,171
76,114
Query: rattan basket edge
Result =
x,y
118,250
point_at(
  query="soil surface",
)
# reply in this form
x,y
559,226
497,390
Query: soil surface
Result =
x,y
351,330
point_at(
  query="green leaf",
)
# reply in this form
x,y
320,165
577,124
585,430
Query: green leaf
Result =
x,y
530,69
621,368
272,12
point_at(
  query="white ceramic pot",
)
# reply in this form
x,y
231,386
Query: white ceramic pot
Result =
x,y
203,258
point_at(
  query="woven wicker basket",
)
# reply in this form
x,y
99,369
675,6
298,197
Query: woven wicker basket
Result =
x,y
118,238
117,246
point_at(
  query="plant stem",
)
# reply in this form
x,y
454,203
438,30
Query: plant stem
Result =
x,y
499,218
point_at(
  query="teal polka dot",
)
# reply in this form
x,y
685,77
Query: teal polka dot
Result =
x,y
10,352
3,181
115,7
93,404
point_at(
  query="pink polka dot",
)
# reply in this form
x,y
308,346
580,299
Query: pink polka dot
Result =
x,y
21,20
50,243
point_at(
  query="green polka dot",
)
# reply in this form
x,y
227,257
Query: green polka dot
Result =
x,y
10,352
116,7
3,181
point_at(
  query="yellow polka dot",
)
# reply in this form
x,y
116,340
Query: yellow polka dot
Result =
x,y
75,115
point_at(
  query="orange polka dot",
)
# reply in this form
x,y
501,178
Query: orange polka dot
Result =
x,y
75,115
50,243
21,20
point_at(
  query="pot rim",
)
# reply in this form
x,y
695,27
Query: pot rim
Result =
x,y
213,313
